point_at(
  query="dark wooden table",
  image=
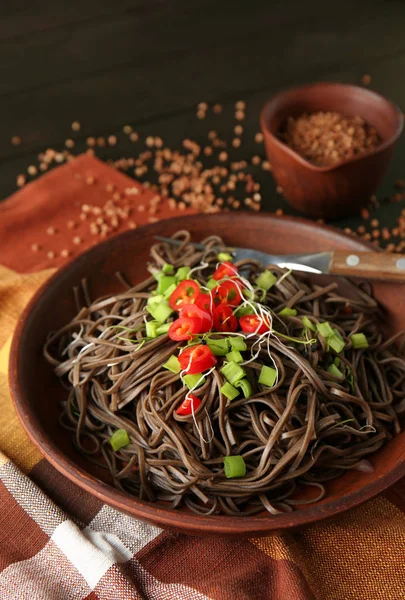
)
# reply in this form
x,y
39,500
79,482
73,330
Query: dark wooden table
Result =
x,y
150,62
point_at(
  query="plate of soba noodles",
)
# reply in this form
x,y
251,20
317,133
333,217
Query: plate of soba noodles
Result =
x,y
210,395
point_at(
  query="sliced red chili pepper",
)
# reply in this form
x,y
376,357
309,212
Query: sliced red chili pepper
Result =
x,y
225,269
189,405
185,292
227,292
196,359
254,324
224,319
184,328
195,312
203,301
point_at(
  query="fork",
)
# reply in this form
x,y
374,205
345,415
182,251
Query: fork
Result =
x,y
370,265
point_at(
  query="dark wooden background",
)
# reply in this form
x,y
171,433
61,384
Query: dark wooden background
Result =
x,y
149,62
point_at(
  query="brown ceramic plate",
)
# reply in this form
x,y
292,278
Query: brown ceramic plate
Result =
x,y
37,392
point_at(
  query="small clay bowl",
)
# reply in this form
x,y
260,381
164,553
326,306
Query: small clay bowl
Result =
x,y
344,188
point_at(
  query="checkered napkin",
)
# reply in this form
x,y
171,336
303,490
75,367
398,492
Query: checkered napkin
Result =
x,y
58,542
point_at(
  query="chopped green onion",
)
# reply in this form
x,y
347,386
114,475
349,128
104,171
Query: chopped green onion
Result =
x,y
233,372
359,340
307,323
154,299
234,356
245,386
234,466
160,312
288,312
237,343
336,343
325,329
157,274
172,364
219,347
243,310
337,332
267,376
151,329
160,329
211,284
168,269
165,282
229,391
248,294
169,291
266,280
193,381
225,257
337,361
182,273
333,370
119,439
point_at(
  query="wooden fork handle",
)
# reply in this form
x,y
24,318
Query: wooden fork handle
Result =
x,y
371,265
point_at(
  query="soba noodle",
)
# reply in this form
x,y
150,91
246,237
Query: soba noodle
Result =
x,y
310,427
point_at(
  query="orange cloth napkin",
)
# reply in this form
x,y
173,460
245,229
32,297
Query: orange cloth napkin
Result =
x,y
45,215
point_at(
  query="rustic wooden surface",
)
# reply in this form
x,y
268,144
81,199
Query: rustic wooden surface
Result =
x,y
149,62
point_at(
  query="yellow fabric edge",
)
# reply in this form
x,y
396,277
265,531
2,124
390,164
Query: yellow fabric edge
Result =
x,y
4,356
15,292
357,556
14,442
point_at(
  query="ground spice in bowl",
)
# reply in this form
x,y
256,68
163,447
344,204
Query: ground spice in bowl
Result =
x,y
327,138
